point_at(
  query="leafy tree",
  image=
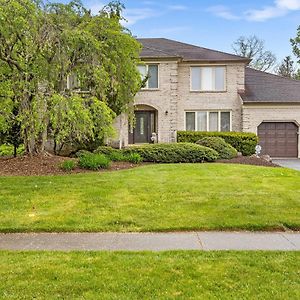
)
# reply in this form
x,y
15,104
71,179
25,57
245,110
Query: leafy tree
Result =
x,y
41,46
287,68
296,50
253,48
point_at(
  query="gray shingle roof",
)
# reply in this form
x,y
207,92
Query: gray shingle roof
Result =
x,y
165,48
262,87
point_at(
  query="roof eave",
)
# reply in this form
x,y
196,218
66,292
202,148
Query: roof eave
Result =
x,y
216,60
253,102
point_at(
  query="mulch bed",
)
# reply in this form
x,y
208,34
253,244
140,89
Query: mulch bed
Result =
x,y
46,165
49,165
248,160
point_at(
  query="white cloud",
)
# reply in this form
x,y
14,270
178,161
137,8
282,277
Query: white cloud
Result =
x,y
133,15
177,7
222,12
279,9
289,4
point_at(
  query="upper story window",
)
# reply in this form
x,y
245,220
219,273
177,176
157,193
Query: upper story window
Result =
x,y
208,79
74,84
152,72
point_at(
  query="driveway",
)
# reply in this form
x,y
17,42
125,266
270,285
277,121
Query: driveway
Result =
x,y
292,163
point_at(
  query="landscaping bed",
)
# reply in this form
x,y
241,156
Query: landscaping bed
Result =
x,y
46,165
248,160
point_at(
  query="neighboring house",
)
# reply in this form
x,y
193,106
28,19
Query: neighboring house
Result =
x,y
194,88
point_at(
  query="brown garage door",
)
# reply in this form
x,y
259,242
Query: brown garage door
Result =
x,y
278,139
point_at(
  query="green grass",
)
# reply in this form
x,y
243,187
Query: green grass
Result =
x,y
154,198
164,275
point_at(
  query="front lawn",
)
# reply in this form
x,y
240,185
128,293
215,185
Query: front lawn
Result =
x,y
164,275
154,198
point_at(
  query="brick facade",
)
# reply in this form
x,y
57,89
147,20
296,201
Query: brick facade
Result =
x,y
173,98
254,115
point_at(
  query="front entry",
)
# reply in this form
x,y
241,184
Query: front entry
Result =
x,y
144,127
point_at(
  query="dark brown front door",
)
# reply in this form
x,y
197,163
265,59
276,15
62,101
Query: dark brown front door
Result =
x,y
278,139
142,131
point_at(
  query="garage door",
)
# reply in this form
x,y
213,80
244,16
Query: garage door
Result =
x,y
278,139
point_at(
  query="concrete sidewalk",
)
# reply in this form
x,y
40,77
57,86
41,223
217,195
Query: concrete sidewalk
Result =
x,y
152,241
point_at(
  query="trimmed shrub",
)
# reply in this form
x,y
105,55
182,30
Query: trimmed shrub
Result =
x,y
80,153
112,153
174,153
134,158
68,165
242,142
225,150
106,150
92,161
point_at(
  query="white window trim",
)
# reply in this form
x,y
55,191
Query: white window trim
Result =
x,y
207,119
209,91
147,72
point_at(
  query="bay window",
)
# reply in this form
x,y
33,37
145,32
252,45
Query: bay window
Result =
x,y
208,79
208,121
152,72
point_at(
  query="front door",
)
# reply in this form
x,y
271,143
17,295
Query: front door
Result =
x,y
142,130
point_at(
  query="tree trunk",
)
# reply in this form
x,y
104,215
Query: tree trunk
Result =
x,y
15,150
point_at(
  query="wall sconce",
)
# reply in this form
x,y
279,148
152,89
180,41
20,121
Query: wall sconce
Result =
x,y
166,112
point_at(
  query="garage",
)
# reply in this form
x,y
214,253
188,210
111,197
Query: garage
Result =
x,y
278,139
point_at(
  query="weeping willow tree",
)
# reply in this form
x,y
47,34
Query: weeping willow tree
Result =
x,y
43,46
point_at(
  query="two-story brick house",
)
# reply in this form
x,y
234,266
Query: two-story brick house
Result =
x,y
194,88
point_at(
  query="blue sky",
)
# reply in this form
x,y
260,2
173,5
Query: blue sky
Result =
x,y
214,24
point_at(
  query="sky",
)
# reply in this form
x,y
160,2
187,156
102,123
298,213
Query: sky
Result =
x,y
214,24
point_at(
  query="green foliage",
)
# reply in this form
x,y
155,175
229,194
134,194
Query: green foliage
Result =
x,y
296,44
8,150
81,153
94,161
134,158
174,153
112,153
41,44
107,150
241,141
117,156
80,120
225,150
68,165
287,68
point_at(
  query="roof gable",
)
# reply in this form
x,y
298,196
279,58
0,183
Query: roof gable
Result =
x,y
163,48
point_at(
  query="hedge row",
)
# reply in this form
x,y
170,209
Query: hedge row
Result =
x,y
174,153
242,142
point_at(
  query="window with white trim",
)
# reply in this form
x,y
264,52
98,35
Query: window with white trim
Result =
x,y
208,121
209,79
152,72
